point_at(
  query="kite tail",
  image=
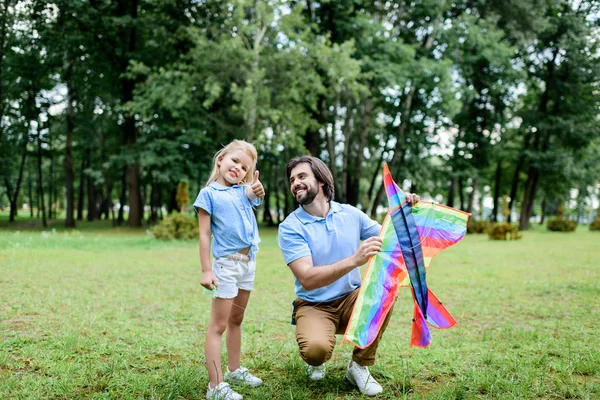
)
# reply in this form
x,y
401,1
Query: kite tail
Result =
x,y
421,337
437,315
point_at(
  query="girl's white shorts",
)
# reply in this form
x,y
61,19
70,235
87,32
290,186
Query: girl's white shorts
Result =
x,y
232,275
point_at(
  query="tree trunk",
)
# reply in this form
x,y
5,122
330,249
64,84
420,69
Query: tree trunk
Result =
x,y
277,186
3,30
461,192
69,173
30,192
14,199
379,194
559,209
543,215
255,73
81,200
8,192
347,132
160,202
451,191
376,173
398,152
528,197
267,216
122,197
135,196
497,191
145,196
312,137
471,196
173,199
41,204
354,184
288,200
51,189
92,204
311,142
106,203
130,10
153,218
515,183
406,111
533,173
331,148
532,183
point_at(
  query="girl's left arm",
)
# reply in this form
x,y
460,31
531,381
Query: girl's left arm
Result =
x,y
256,189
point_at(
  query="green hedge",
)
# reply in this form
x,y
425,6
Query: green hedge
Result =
x,y
503,231
176,226
475,226
595,226
561,225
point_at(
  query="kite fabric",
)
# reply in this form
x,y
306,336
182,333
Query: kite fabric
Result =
x,y
411,236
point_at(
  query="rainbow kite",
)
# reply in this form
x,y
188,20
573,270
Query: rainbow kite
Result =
x,y
411,236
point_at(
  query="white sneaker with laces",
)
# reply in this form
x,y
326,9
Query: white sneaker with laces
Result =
x,y
242,376
316,373
222,392
361,377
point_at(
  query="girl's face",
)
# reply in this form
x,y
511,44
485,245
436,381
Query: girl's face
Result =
x,y
233,167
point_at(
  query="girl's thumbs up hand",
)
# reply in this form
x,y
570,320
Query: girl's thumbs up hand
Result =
x,y
257,187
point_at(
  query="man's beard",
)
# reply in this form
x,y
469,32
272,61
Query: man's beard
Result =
x,y
309,196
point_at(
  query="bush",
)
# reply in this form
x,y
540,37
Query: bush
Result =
x,y
475,226
562,225
503,231
176,226
595,226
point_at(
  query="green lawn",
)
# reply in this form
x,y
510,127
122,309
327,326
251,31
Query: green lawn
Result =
x,y
112,313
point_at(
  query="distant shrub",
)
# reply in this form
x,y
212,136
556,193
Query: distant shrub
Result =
x,y
595,226
176,226
475,226
561,225
503,231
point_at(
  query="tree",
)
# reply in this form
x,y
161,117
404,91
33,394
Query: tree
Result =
x,y
561,114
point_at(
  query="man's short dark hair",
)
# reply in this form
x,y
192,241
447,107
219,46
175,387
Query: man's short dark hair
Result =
x,y
319,169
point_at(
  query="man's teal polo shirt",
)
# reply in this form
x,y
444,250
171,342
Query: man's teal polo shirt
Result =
x,y
327,240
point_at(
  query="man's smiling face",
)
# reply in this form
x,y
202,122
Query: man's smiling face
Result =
x,y
303,184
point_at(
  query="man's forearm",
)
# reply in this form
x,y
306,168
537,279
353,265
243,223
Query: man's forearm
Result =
x,y
323,275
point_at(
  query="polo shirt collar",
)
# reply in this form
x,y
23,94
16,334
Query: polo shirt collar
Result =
x,y
307,218
218,186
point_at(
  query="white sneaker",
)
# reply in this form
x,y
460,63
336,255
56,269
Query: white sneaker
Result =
x,y
242,376
316,373
222,392
361,377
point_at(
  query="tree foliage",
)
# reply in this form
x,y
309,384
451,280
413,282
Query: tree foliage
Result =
x,y
107,106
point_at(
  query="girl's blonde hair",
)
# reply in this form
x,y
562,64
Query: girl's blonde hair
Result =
x,y
247,148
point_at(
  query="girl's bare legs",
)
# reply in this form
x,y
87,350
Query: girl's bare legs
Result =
x,y
234,329
219,317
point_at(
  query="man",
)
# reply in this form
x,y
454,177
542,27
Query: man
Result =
x,y
321,243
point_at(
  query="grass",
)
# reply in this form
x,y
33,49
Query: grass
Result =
x,y
109,313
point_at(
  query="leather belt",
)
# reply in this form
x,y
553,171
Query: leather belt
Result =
x,y
238,257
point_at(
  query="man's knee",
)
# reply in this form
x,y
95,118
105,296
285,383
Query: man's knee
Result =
x,y
316,352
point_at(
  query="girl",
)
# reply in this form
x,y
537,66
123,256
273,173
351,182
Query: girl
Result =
x,y
224,209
